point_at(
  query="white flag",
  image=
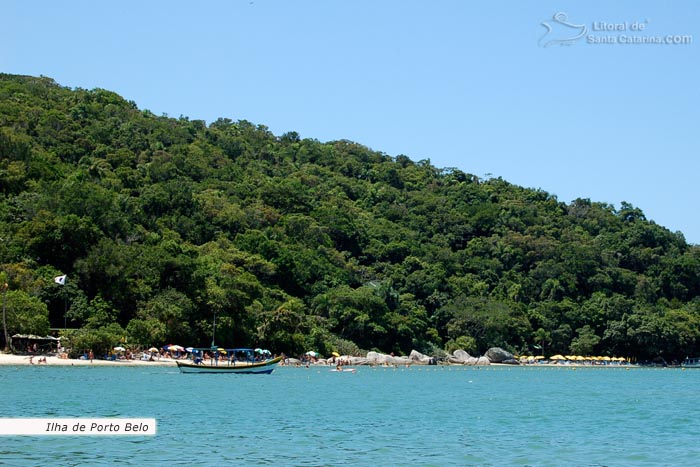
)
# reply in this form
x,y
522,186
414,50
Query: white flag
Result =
x,y
60,279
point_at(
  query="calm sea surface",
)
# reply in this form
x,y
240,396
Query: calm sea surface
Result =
x,y
427,416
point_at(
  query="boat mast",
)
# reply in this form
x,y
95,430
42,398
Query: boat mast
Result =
x,y
213,333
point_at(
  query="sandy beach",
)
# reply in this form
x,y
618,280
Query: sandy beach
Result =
x,y
9,359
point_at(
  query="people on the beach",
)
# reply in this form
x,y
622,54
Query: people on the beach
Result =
x,y
91,355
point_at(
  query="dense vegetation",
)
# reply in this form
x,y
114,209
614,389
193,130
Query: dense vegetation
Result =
x,y
161,223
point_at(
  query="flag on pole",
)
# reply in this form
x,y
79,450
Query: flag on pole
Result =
x,y
60,279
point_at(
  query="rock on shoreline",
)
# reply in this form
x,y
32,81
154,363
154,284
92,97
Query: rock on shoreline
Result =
x,y
458,357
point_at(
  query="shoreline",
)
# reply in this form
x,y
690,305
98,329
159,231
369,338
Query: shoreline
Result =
x,y
52,360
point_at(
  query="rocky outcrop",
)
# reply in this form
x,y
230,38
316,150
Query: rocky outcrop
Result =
x,y
420,359
493,355
357,360
459,357
415,358
376,358
498,355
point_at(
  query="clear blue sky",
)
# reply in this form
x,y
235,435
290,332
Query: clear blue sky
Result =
x,y
464,84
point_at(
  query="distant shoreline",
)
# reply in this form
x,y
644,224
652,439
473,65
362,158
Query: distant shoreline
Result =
x,y
10,359
22,360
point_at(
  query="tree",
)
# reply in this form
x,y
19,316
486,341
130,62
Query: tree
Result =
x,y
543,339
4,286
164,223
26,314
586,341
166,317
101,340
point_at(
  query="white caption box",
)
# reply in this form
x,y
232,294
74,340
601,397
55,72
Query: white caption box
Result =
x,y
78,426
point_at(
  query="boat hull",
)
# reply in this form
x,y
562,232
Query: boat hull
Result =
x,y
258,368
691,362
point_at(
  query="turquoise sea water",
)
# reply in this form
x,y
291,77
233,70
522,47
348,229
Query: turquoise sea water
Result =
x,y
422,416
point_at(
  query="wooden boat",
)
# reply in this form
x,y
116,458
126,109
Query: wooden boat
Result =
x,y
241,361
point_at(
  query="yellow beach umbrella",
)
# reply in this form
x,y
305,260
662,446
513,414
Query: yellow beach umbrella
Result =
x,y
335,354
557,357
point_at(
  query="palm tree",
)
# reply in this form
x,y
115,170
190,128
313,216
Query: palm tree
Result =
x,y
542,338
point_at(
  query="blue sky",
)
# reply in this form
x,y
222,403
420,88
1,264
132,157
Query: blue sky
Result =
x,y
464,84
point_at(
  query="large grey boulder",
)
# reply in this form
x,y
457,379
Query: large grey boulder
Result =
x,y
403,361
498,355
482,361
358,360
418,358
474,361
376,358
459,357
379,358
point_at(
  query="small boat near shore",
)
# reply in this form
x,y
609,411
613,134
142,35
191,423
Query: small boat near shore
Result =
x,y
691,362
242,361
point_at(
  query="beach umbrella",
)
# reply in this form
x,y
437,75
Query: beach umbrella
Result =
x,y
557,357
335,354
259,350
119,348
176,348
153,349
539,357
311,353
189,349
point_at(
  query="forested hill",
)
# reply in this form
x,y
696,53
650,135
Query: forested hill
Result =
x,y
295,245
